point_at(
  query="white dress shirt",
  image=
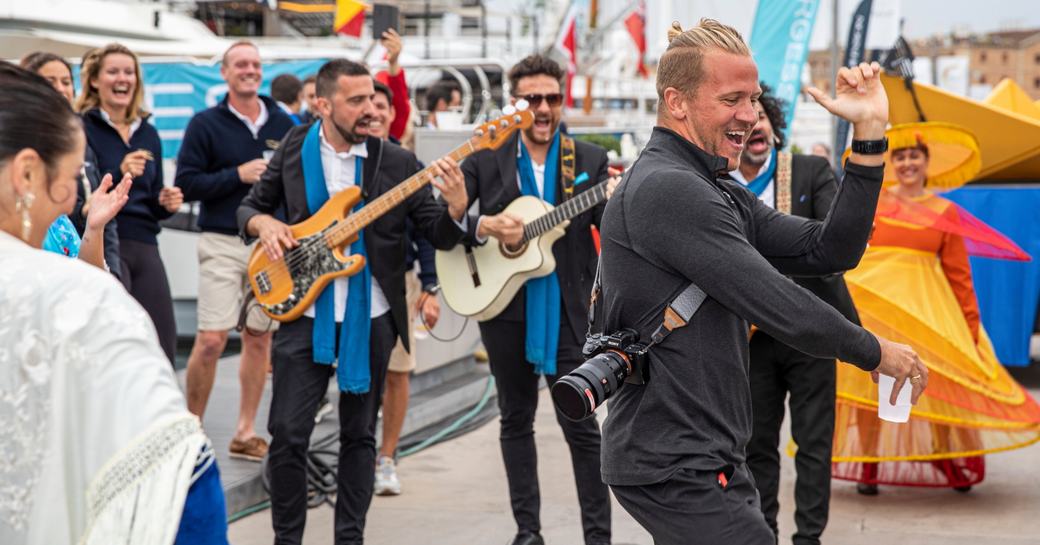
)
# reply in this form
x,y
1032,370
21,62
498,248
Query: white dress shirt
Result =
x,y
539,173
769,195
339,169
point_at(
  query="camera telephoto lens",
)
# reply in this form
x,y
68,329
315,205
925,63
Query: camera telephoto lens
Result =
x,y
579,393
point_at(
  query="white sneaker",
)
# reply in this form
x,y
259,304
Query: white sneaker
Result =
x,y
323,410
386,477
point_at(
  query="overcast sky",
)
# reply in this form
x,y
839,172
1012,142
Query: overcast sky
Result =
x,y
922,17
927,17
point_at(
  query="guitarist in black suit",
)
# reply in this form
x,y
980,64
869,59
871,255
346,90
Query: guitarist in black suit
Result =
x,y
355,321
542,330
803,185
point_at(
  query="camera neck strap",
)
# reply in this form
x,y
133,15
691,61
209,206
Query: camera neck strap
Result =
x,y
677,312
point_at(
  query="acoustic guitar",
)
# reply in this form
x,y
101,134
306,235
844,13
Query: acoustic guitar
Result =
x,y
287,287
480,281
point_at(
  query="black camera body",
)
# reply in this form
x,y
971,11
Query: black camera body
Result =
x,y
612,360
625,341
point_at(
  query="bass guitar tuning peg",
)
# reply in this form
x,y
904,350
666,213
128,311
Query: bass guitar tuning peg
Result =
x,y
509,110
521,105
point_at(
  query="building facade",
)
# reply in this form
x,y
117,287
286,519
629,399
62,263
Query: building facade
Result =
x,y
992,57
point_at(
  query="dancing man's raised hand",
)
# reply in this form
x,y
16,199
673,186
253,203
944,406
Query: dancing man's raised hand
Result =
x,y
860,99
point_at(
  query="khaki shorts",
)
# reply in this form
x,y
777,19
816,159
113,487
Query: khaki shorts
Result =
x,y
222,285
400,360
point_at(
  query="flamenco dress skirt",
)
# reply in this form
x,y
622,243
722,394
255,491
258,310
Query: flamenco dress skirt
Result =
x,y
971,407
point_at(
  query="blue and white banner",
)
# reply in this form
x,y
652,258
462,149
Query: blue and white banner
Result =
x,y
176,91
780,44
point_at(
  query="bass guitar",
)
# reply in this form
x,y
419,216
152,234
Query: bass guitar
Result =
x,y
285,288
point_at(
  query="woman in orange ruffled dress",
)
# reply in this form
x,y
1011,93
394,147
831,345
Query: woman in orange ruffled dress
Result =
x,y
914,286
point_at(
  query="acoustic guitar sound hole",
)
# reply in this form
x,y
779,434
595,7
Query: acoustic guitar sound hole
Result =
x,y
512,252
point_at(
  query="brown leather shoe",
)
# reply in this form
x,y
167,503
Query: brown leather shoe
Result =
x,y
253,449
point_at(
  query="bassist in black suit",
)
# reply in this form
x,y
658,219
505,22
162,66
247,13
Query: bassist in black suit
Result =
x,y
312,163
803,185
542,330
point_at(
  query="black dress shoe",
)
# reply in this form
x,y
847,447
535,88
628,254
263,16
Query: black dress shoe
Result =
x,y
867,489
528,539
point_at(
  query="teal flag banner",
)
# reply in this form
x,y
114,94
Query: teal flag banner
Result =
x,y
780,44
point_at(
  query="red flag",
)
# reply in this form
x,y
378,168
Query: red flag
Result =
x,y
636,25
567,43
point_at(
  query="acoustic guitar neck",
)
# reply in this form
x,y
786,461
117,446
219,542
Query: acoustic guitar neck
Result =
x,y
568,209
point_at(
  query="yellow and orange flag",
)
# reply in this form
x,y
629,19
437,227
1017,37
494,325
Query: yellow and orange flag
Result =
x,y
350,17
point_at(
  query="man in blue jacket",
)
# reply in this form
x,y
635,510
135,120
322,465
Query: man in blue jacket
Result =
x,y
224,151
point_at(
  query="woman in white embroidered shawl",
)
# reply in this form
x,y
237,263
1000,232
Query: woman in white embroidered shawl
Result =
x,y
96,444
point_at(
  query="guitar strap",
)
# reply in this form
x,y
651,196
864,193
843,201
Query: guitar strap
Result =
x,y
783,182
374,171
782,190
568,160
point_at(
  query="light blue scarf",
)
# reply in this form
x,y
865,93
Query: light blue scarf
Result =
x,y
761,182
352,373
542,294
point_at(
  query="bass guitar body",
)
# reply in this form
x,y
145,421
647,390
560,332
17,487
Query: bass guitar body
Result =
x,y
480,281
287,287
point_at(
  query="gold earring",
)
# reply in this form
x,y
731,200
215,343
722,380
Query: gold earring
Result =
x,y
23,204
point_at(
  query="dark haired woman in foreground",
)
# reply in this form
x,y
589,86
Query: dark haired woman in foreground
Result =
x,y
98,445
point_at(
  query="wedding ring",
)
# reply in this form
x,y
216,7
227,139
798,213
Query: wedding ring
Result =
x,y
915,379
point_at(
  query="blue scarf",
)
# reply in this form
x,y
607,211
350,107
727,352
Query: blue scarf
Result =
x,y
761,182
352,373
542,294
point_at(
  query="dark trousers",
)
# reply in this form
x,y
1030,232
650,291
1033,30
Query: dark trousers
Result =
x,y
776,370
517,386
144,276
693,508
297,387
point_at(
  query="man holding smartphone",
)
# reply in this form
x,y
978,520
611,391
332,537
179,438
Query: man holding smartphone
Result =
x,y
224,151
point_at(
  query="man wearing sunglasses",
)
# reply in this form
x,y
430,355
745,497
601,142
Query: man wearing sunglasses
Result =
x,y
542,330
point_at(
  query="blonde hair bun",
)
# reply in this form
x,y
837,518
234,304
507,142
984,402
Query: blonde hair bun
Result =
x,y
675,30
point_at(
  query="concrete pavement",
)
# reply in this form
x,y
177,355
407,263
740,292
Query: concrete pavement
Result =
x,y
455,494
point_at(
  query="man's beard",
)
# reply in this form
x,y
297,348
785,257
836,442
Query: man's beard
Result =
x,y
529,133
757,159
351,136
758,137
